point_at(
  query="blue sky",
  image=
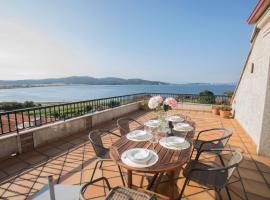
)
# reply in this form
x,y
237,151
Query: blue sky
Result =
x,y
173,41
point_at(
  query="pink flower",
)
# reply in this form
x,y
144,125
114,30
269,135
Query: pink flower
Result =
x,y
219,100
170,102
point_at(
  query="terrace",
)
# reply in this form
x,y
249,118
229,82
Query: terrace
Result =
x,y
71,159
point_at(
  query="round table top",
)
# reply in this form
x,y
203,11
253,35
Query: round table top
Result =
x,y
169,159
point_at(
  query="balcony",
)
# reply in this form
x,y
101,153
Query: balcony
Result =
x,y
71,160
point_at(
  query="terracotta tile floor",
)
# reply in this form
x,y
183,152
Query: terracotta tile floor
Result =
x,y
71,161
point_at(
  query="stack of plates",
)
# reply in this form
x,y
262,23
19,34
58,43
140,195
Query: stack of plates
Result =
x,y
139,135
175,118
183,127
173,142
152,123
139,157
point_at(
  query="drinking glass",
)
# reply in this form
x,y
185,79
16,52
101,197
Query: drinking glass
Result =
x,y
154,140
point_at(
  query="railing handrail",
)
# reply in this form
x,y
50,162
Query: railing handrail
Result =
x,y
65,104
40,115
97,99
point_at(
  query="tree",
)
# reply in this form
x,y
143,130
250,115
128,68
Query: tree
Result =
x,y
28,104
228,93
206,97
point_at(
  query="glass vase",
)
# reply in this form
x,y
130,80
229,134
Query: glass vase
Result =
x,y
163,127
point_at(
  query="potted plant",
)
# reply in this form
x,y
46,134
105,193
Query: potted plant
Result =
x,y
216,107
225,111
144,105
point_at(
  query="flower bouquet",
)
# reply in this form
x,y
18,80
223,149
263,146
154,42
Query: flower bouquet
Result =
x,y
161,106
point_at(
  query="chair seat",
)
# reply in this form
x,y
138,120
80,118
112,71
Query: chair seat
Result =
x,y
211,179
208,145
124,193
67,192
104,154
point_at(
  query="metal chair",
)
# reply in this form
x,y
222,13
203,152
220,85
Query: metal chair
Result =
x,y
212,177
118,193
102,153
218,143
124,125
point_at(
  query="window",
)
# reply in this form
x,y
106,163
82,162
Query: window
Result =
x,y
252,68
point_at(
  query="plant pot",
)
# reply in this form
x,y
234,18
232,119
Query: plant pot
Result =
x,y
215,110
225,113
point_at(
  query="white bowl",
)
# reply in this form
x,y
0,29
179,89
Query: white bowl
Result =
x,y
183,127
139,155
138,134
175,141
152,123
175,118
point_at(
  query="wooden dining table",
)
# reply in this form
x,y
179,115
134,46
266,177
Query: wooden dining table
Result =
x,y
169,161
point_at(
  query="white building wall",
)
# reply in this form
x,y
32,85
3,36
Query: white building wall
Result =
x,y
249,101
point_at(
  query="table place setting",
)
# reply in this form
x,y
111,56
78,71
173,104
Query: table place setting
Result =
x,y
139,157
139,135
174,142
184,127
154,123
175,118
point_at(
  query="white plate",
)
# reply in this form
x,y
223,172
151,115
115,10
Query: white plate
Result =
x,y
184,145
152,123
139,135
182,127
175,118
126,160
139,155
175,141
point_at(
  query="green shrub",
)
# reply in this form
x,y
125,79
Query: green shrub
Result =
x,y
56,115
28,104
228,93
7,106
206,97
113,103
89,108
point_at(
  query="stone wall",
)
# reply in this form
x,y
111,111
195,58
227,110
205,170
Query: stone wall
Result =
x,y
250,100
13,144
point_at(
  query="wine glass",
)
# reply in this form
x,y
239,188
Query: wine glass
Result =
x,y
154,139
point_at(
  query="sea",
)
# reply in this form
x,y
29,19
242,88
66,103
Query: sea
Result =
x,y
71,93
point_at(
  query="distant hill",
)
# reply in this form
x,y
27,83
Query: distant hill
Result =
x,y
76,80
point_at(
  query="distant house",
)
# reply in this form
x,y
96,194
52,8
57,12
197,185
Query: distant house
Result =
x,y
251,104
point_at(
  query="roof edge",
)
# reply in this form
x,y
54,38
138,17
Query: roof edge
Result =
x,y
245,65
258,11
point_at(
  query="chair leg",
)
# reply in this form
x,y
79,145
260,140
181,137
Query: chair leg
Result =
x,y
183,188
95,170
159,178
219,195
121,175
228,192
242,183
191,153
221,160
101,163
150,185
